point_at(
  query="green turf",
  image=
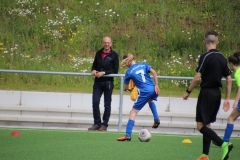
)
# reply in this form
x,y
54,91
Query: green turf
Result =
x,y
39,144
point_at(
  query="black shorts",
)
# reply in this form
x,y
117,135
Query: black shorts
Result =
x,y
209,100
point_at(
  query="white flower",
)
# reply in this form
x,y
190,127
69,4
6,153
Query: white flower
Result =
x,y
81,2
110,10
98,4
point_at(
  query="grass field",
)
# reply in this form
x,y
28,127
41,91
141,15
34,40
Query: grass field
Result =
x,y
46,144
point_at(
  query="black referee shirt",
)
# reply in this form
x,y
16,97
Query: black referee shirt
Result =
x,y
213,66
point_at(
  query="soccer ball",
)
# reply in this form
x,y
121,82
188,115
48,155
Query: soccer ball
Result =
x,y
144,135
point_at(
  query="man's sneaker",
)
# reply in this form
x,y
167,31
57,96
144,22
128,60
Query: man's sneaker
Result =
x,y
226,150
203,158
94,127
124,138
156,124
103,128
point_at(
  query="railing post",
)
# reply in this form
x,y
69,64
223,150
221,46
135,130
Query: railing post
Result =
x,y
120,105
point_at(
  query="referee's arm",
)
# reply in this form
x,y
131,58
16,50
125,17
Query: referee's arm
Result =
x,y
228,87
194,82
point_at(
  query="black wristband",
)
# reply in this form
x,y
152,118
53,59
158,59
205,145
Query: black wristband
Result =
x,y
188,91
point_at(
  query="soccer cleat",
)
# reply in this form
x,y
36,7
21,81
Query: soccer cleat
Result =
x,y
103,128
124,138
219,145
226,150
156,124
203,158
94,127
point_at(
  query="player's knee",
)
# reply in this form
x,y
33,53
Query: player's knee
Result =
x,y
231,119
199,126
150,101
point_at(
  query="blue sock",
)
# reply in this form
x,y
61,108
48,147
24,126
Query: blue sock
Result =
x,y
153,108
129,127
228,132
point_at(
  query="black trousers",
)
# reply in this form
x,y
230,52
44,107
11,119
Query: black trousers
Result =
x,y
106,89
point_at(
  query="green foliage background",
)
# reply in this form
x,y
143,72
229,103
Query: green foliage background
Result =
x,y
58,35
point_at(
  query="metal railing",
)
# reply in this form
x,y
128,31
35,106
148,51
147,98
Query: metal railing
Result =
x,y
121,76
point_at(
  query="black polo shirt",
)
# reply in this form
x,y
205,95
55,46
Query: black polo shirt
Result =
x,y
213,66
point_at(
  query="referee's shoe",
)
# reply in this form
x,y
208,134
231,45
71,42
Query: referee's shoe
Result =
x,y
219,146
226,150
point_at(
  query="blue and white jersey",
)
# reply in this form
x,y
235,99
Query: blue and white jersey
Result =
x,y
139,73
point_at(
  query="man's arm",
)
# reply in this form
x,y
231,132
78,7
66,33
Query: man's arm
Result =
x,y
226,104
228,87
194,82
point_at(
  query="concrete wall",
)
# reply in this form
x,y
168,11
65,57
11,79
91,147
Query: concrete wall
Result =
x,y
84,101
74,110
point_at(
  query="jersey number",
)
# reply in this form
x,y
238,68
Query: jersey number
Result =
x,y
141,72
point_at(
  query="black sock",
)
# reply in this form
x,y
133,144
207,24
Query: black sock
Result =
x,y
206,144
211,135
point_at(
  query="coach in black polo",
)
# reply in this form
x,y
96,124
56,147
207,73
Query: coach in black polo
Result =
x,y
211,68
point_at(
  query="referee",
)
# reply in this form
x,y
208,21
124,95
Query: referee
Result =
x,y
211,68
